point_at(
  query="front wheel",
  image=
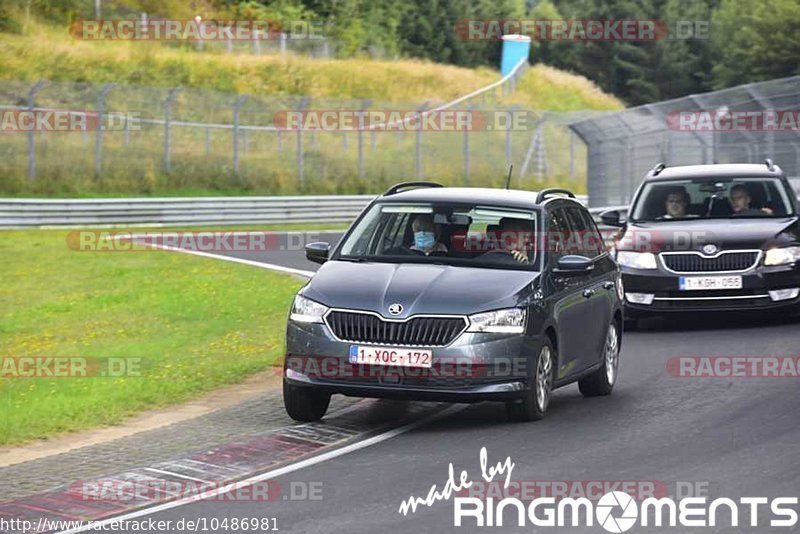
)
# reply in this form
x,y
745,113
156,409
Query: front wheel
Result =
x,y
305,403
534,404
602,381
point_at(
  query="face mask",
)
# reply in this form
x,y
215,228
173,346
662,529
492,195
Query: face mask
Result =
x,y
424,240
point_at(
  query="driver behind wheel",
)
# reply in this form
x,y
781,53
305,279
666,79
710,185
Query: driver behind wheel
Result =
x,y
515,240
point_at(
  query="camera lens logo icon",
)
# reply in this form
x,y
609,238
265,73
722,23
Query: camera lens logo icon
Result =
x,y
608,505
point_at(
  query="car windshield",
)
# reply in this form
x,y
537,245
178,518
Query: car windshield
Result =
x,y
467,235
718,198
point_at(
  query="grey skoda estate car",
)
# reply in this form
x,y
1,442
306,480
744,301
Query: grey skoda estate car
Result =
x,y
710,238
457,294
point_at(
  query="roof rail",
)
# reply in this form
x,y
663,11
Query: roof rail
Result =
x,y
658,168
770,165
544,193
396,188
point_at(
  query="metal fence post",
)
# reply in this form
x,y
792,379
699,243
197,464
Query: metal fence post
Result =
x,y
208,141
167,126
571,154
509,122
418,144
31,139
300,155
466,153
127,132
98,139
364,105
237,106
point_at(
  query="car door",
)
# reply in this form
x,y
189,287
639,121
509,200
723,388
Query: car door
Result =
x,y
570,307
585,241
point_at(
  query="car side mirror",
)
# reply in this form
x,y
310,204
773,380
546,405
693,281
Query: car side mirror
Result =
x,y
574,264
614,218
317,252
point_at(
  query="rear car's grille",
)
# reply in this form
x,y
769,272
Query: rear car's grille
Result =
x,y
417,331
727,261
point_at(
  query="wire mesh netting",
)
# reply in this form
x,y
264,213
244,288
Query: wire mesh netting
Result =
x,y
623,146
183,139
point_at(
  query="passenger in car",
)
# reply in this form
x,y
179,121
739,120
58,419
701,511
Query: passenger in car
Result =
x,y
740,202
427,236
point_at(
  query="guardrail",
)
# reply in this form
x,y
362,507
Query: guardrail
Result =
x,y
199,211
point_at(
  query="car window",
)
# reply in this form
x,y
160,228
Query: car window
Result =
x,y
591,241
475,235
557,233
582,239
716,198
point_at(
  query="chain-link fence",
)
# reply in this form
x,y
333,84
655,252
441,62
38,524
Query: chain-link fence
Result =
x,y
180,140
742,124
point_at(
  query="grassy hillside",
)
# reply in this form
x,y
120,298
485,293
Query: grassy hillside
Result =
x,y
45,52
202,162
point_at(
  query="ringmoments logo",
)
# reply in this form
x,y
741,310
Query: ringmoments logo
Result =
x,y
615,511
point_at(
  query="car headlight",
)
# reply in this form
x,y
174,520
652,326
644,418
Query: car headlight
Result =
x,y
782,256
509,321
637,260
307,311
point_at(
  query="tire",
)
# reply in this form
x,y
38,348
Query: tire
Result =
x,y
602,381
533,405
305,403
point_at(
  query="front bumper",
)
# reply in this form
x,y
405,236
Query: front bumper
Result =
x,y
668,298
475,367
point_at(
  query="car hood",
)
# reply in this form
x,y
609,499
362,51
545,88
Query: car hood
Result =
x,y
419,289
725,234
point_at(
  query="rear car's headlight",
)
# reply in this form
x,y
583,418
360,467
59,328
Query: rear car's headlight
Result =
x,y
782,256
509,321
307,311
637,260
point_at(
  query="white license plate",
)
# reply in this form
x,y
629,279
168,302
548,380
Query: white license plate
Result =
x,y
392,356
699,283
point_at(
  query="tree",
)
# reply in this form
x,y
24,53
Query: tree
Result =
x,y
755,41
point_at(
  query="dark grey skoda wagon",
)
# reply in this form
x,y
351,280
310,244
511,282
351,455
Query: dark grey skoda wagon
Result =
x,y
457,294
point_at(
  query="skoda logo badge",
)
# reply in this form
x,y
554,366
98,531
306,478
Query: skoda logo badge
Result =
x,y
709,249
396,309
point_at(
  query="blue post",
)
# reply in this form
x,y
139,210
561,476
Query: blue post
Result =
x,y
515,48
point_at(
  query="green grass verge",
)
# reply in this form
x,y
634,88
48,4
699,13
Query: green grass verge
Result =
x,y
196,323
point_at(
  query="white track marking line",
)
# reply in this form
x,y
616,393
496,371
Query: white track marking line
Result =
x,y
275,472
261,265
176,475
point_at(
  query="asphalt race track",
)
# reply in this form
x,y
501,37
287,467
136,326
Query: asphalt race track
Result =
x,y
724,437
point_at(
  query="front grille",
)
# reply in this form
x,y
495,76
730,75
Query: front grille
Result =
x,y
727,261
417,331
